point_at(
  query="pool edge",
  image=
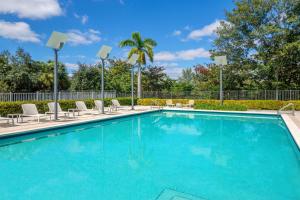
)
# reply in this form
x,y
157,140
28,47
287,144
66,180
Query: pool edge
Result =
x,y
70,124
292,128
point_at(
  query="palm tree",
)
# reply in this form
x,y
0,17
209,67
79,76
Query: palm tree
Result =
x,y
141,48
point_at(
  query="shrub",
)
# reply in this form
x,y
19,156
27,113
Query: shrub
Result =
x,y
250,104
15,107
229,107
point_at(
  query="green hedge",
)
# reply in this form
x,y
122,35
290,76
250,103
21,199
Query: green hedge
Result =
x,y
250,104
229,107
15,107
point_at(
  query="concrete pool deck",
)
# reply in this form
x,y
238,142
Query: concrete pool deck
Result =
x,y
29,124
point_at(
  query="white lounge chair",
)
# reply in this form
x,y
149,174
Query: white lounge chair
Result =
x,y
80,105
190,104
169,103
51,106
116,105
98,106
7,119
30,110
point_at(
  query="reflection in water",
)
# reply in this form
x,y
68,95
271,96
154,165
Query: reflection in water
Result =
x,y
137,157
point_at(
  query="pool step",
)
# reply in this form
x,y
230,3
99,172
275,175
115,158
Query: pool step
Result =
x,y
169,194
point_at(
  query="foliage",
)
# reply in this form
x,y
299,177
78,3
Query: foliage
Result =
x,y
15,107
250,104
229,107
155,79
87,77
141,48
118,77
261,41
19,73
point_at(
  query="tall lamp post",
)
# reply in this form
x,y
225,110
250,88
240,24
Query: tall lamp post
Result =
x,y
132,61
221,61
103,54
56,42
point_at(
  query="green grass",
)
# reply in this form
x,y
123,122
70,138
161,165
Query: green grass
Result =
x,y
230,107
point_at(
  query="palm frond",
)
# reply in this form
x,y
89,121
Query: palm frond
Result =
x,y
136,36
127,43
150,42
142,58
133,51
150,54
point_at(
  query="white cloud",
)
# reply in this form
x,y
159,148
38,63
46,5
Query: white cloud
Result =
x,y
71,66
83,18
173,72
207,30
164,56
18,31
166,64
33,9
189,54
177,33
77,37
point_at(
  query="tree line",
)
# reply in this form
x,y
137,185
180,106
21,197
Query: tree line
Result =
x,y
20,73
261,39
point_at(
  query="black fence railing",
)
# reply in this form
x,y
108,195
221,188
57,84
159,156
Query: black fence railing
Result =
x,y
228,94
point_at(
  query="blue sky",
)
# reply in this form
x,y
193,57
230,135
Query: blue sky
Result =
x,y
183,29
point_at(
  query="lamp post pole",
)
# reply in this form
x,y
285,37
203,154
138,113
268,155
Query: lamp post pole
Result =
x,y
102,85
55,83
221,84
132,93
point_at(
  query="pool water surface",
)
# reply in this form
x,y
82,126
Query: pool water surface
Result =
x,y
194,155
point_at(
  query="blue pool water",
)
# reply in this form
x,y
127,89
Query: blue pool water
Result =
x,y
206,156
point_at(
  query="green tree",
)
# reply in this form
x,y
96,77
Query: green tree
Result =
x,y
261,39
86,78
155,79
118,76
142,48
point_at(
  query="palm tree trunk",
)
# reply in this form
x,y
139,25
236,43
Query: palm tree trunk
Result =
x,y
139,90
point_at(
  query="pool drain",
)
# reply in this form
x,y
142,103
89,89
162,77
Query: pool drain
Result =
x,y
169,194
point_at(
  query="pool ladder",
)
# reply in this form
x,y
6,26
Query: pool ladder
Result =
x,y
285,107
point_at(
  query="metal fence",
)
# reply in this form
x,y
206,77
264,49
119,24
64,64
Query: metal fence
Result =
x,y
228,95
36,96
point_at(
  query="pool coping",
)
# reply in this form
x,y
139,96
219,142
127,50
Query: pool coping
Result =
x,y
293,128
69,124
290,124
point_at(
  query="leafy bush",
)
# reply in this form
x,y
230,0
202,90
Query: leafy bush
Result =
x,y
15,107
229,107
250,104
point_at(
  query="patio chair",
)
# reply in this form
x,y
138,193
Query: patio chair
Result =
x,y
190,104
169,103
30,110
7,119
98,106
116,105
81,107
51,106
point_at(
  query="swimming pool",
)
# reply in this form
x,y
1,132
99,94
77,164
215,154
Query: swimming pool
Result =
x,y
160,155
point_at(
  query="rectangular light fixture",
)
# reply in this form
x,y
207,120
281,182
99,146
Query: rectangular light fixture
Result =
x,y
132,60
220,60
57,40
104,52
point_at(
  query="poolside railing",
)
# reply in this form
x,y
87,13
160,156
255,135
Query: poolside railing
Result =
x,y
228,94
63,95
